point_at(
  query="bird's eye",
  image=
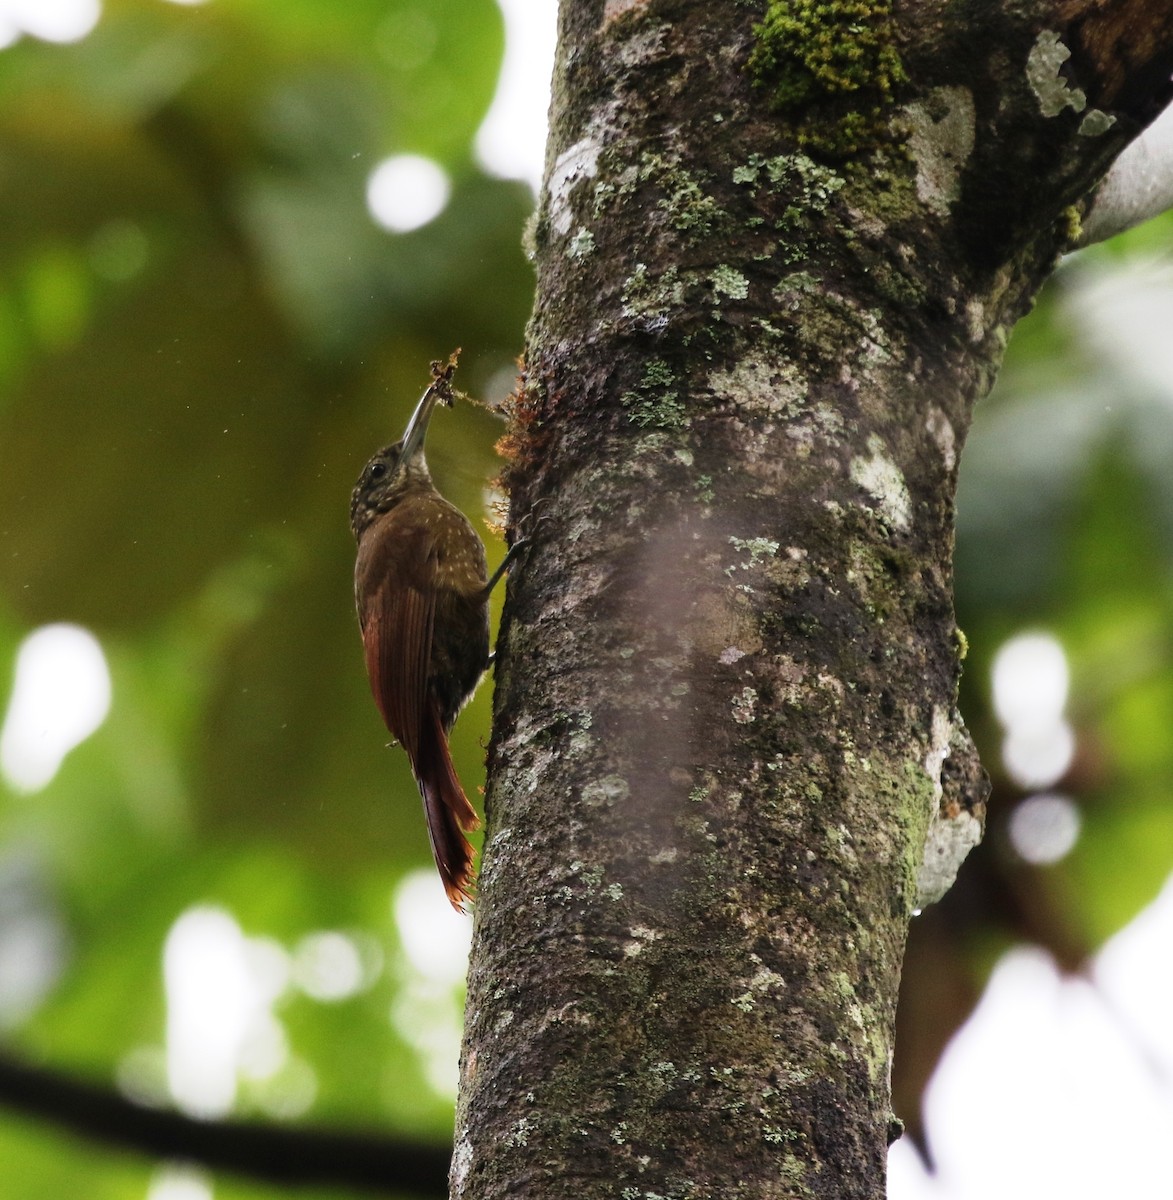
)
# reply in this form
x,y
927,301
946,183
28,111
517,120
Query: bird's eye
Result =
x,y
376,471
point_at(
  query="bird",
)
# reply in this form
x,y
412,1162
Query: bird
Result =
x,y
422,589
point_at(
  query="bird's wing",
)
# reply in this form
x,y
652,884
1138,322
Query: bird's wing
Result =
x,y
397,617
396,581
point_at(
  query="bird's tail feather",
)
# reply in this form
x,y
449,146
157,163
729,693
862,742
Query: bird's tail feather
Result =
x,y
448,812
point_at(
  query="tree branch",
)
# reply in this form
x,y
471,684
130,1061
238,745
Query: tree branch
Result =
x,y
290,1156
1139,184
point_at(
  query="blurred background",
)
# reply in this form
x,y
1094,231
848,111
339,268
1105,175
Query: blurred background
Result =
x,y
232,235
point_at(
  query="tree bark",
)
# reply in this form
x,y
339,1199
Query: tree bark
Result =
x,y
779,251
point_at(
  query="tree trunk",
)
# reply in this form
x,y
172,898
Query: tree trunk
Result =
x,y
779,251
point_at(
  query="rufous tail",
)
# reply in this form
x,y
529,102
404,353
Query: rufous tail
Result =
x,y
448,812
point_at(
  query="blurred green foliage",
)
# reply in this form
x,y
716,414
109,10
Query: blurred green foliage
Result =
x,y
202,337
1064,526
1065,523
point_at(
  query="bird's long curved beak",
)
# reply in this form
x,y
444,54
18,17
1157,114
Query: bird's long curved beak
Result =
x,y
417,427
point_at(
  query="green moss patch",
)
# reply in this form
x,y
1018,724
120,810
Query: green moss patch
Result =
x,y
832,67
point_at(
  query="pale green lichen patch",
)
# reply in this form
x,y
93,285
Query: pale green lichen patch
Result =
x,y
606,791
580,743
776,388
763,982
641,938
940,139
1043,66
832,66
883,480
1095,123
655,403
680,196
582,245
763,556
757,548
652,298
809,189
816,183
519,1134
794,1172
744,706
690,210
830,325
729,282
791,287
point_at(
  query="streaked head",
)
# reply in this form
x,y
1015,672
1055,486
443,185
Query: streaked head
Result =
x,y
395,470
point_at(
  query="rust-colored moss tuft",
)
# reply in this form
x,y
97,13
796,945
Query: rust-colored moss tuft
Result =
x,y
524,441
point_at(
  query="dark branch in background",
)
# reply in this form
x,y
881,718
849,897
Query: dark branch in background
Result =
x,y
285,1155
